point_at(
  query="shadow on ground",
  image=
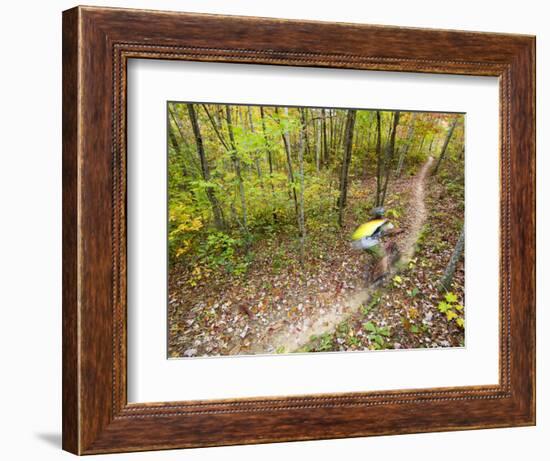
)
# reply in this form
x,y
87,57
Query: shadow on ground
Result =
x,y
51,438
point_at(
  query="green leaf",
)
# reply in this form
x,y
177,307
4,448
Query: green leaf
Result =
x,y
384,331
443,307
369,326
451,298
460,322
415,329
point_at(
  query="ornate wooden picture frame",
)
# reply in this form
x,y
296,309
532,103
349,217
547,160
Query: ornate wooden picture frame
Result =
x,y
97,44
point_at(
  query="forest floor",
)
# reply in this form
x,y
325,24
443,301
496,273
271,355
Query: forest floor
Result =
x,y
280,306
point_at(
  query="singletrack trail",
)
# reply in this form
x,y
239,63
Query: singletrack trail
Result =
x,y
327,322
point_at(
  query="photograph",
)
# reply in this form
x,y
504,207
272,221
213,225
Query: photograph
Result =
x,y
308,229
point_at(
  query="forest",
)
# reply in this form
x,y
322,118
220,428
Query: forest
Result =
x,y
263,203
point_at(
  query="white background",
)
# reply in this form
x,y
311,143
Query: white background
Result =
x,y
30,243
153,378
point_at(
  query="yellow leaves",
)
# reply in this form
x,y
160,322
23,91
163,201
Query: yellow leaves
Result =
x,y
451,315
397,281
452,309
183,219
199,273
190,226
413,313
183,228
183,249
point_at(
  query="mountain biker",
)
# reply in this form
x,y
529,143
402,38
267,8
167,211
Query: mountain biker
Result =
x,y
369,237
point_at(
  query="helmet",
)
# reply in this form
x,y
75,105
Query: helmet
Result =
x,y
378,212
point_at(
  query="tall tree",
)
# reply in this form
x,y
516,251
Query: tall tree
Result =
x,y
318,135
422,141
177,148
445,145
304,122
390,150
252,130
378,158
301,214
205,170
332,129
182,143
270,164
237,166
405,150
326,157
288,149
446,279
175,142
346,160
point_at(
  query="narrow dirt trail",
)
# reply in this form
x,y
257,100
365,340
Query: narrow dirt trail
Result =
x,y
417,211
291,341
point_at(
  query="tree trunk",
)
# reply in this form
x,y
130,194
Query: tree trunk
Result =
x,y
331,133
270,164
256,158
422,141
445,145
390,149
176,145
339,133
405,150
325,141
378,158
303,116
445,281
237,166
301,216
216,209
217,129
217,119
346,160
286,142
318,134
194,162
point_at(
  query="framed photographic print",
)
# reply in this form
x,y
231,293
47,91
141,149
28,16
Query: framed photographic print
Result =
x,y
285,230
